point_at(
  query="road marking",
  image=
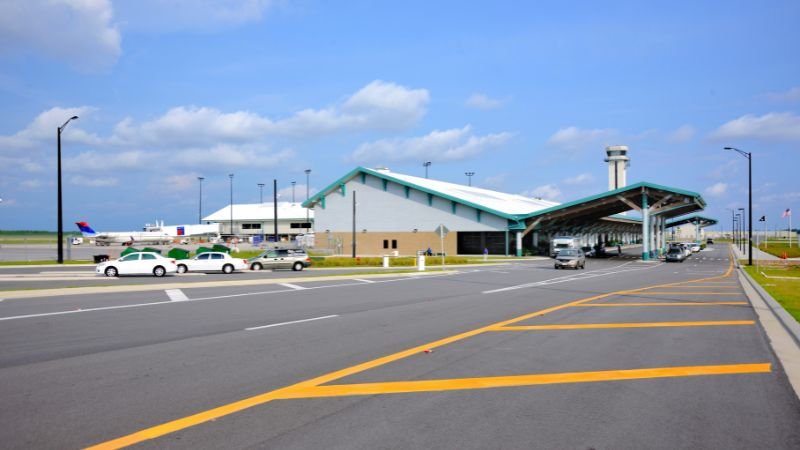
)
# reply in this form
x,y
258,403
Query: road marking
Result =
x,y
682,293
176,295
668,304
292,286
590,326
573,277
404,387
289,323
363,280
240,405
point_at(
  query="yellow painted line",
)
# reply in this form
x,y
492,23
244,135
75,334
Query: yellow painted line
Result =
x,y
404,387
231,408
720,286
590,326
682,293
668,304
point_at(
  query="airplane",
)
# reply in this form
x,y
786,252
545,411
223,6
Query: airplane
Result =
x,y
124,237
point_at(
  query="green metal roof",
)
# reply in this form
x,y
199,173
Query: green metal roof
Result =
x,y
694,219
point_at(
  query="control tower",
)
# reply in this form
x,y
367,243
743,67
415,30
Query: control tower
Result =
x,y
618,162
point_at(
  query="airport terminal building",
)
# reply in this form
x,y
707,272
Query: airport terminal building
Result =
x,y
379,212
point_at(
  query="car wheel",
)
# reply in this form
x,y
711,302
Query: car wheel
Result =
x,y
556,266
227,268
159,271
111,271
298,266
182,268
256,266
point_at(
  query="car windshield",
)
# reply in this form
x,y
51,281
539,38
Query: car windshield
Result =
x,y
567,252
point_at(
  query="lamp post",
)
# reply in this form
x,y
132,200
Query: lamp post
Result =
x,y
293,183
200,208
469,177
60,206
742,227
749,157
426,164
231,177
307,171
260,192
738,229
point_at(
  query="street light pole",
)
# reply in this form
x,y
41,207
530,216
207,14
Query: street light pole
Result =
x,y
200,208
749,157
231,177
426,164
293,184
469,177
307,171
742,227
60,206
261,192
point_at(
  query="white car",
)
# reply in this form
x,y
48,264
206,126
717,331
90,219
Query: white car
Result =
x,y
694,246
138,263
212,262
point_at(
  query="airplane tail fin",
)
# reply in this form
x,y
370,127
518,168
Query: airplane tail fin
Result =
x,y
86,230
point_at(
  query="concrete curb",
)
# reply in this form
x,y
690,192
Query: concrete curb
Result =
x,y
786,319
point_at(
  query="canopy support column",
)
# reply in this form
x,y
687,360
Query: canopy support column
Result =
x,y
645,229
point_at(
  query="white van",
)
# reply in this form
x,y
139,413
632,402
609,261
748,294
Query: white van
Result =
x,y
561,242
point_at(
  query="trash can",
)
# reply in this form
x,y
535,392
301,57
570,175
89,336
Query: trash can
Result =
x,y
101,258
151,250
221,248
421,261
203,250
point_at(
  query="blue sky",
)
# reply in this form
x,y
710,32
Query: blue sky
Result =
x,y
525,94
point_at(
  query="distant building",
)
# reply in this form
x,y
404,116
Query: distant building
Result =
x,y
618,163
258,220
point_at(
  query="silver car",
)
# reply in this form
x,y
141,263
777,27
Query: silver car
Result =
x,y
295,259
571,257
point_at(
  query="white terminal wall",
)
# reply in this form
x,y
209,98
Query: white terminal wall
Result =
x,y
390,210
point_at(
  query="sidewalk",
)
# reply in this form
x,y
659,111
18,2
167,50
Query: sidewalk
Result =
x,y
757,254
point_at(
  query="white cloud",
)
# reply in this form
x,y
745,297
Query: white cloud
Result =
x,y
574,138
716,190
80,180
582,178
546,192
769,127
790,96
43,129
31,184
447,145
684,133
482,101
79,32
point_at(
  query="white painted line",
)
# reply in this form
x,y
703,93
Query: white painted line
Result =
x,y
289,323
363,280
176,295
573,277
217,297
292,286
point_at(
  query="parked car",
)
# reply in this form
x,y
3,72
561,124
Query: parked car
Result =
x,y
570,257
709,241
589,252
138,263
694,247
295,259
675,254
212,262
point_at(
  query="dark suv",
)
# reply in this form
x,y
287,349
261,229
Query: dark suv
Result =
x,y
295,259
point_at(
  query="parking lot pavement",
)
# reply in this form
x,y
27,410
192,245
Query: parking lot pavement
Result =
x,y
677,364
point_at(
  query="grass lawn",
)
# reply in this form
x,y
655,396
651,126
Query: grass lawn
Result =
x,y
777,248
786,292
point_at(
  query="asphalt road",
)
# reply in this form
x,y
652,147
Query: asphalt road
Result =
x,y
432,361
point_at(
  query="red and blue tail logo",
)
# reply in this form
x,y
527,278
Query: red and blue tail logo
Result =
x,y
86,230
